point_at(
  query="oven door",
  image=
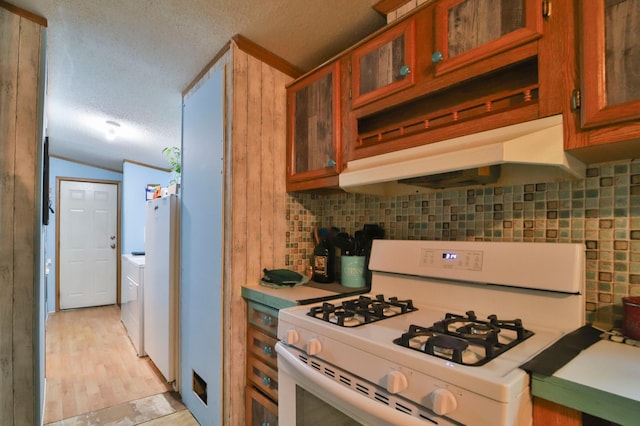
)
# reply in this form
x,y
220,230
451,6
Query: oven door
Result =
x,y
308,397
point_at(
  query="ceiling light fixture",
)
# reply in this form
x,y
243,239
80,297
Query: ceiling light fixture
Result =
x,y
112,130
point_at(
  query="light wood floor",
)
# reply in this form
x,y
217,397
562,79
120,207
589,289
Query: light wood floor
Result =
x,y
91,364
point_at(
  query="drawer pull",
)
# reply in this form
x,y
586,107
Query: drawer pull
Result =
x,y
268,350
266,381
266,320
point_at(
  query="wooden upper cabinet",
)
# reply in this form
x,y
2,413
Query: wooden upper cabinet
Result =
x,y
313,145
384,65
468,31
610,62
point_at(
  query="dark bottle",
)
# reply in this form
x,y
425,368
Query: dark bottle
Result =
x,y
323,262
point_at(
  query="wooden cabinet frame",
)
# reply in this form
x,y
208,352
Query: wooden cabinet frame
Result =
x,y
408,28
253,395
595,111
531,31
305,180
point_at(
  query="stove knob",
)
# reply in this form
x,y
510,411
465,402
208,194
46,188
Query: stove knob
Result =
x,y
396,382
292,337
442,401
313,347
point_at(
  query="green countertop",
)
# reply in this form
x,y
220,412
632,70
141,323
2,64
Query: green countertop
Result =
x,y
603,380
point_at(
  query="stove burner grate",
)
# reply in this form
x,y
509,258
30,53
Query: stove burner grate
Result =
x,y
362,310
454,337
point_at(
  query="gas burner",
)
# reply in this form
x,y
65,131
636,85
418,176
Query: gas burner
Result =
x,y
449,346
363,310
464,339
476,329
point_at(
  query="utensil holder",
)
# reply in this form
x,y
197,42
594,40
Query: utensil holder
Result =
x,y
352,271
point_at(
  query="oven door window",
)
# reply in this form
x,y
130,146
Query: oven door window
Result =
x,y
312,411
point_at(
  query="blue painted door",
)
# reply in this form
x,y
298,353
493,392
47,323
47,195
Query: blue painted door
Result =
x,y
202,226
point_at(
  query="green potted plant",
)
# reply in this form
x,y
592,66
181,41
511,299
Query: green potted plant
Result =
x,y
175,164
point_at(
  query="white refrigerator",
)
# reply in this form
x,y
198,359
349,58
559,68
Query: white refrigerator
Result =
x,y
161,288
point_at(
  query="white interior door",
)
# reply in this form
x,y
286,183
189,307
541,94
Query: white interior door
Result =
x,y
88,214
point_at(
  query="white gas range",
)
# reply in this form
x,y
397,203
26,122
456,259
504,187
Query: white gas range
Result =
x,y
438,340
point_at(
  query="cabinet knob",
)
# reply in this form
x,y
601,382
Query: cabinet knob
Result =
x,y
405,70
268,350
437,56
331,163
266,381
266,319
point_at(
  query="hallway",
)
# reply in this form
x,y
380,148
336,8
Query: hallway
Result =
x,y
92,372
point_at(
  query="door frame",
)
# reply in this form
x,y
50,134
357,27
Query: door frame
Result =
x,y
59,180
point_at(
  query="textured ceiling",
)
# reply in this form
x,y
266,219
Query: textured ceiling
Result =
x,y
129,61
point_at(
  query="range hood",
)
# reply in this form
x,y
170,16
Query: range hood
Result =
x,y
531,152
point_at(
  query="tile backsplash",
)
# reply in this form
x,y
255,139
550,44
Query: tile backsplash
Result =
x,y
602,211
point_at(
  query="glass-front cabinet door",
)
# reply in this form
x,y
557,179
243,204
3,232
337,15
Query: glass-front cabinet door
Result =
x,y
470,30
313,128
611,61
383,65
260,410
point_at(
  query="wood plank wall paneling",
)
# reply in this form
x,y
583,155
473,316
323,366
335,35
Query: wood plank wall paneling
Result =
x,y
256,222
234,350
267,163
9,39
20,47
279,109
254,166
25,336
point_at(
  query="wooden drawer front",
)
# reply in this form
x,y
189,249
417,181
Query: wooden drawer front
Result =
x,y
263,376
261,411
262,346
263,317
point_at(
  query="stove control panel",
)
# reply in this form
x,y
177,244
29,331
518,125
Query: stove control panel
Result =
x,y
468,260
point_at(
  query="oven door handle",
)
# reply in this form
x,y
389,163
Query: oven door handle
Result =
x,y
340,396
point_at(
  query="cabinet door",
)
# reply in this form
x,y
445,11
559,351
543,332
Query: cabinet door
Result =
x,y
262,346
611,61
470,30
384,65
263,377
263,317
313,105
261,411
